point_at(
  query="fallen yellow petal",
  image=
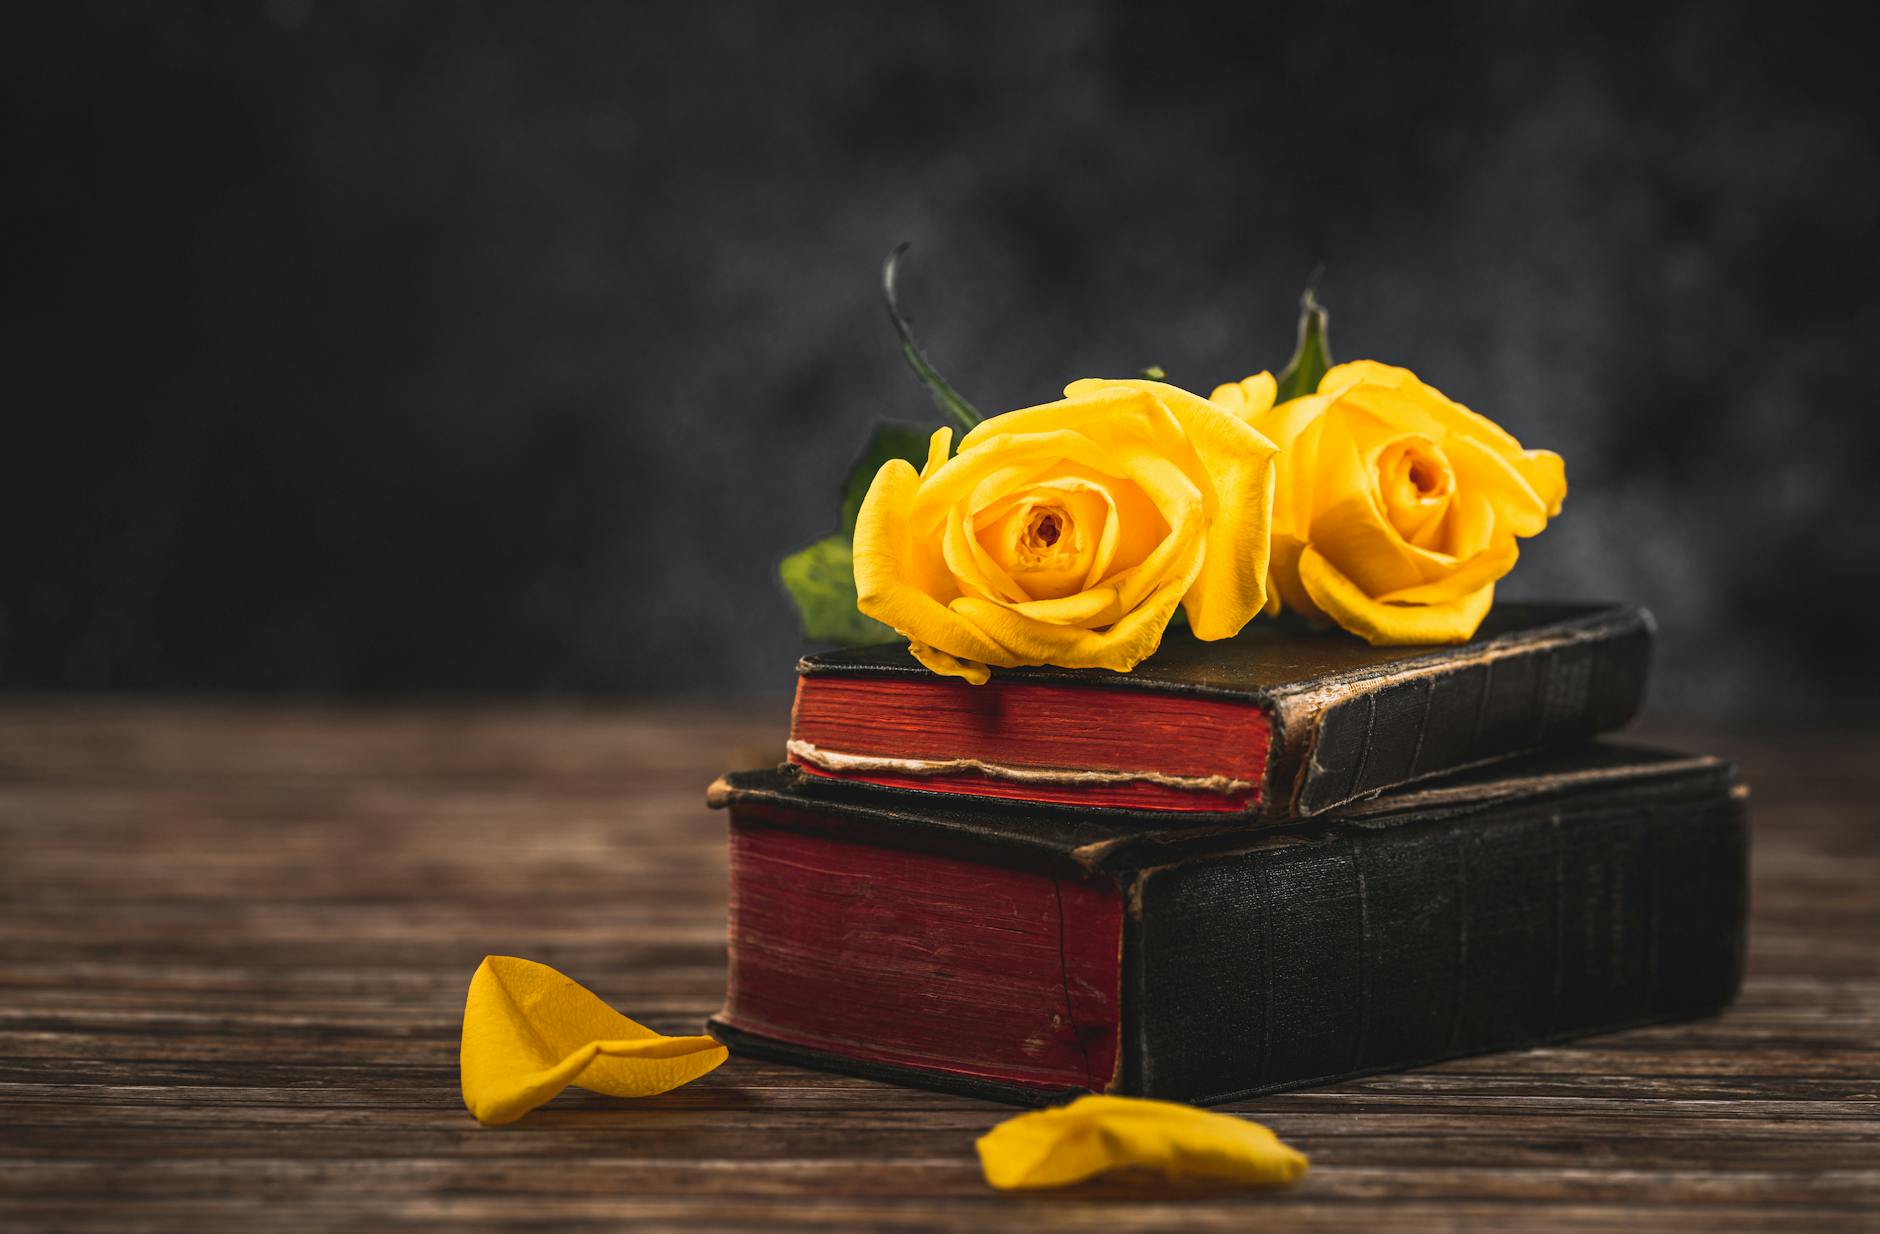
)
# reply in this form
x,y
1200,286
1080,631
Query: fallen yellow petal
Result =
x,y
529,1032
1057,1147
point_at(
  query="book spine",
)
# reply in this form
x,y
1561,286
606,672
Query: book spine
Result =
x,y
1354,739
1380,946
990,972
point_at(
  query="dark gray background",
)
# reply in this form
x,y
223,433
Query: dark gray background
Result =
x,y
398,348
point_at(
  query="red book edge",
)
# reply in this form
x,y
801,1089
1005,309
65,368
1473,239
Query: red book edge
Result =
x,y
1034,741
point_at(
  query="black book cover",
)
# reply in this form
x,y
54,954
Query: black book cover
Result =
x,y
1549,897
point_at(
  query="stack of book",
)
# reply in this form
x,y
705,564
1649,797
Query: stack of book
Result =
x,y
1279,860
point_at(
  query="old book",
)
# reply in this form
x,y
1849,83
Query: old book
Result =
x,y
1277,722
1024,953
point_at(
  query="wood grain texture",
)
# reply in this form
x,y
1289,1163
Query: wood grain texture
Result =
x,y
234,945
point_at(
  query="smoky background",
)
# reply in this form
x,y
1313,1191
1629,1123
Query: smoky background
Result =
x,y
414,349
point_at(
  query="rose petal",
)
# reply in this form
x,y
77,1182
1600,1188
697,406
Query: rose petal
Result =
x,y
1231,589
974,569
1285,578
1488,566
1086,609
1057,1147
938,447
1016,458
883,547
1470,527
1518,507
1248,397
1546,473
1451,415
529,1032
949,666
1102,411
1180,506
1365,546
1348,524
1237,469
1382,624
1295,427
1120,648
1072,563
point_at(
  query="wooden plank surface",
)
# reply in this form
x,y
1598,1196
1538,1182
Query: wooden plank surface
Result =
x,y
234,944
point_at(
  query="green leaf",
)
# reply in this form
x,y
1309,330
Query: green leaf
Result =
x,y
821,579
944,396
1312,357
1154,372
889,440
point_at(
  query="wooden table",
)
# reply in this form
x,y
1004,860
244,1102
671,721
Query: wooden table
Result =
x,y
234,943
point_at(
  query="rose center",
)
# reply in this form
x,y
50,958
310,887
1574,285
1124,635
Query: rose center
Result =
x,y
1043,529
1415,483
1414,473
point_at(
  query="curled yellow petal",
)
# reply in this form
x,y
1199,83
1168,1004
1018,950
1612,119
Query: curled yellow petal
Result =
x,y
1086,609
1517,506
1547,473
1248,397
937,447
883,589
529,1032
950,666
1101,410
1486,567
1057,1147
1384,624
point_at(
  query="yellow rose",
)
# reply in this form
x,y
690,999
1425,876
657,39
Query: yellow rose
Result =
x,y
1397,509
1066,534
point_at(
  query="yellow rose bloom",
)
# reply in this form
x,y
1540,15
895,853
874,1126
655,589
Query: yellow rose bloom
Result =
x,y
1397,509
1066,534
